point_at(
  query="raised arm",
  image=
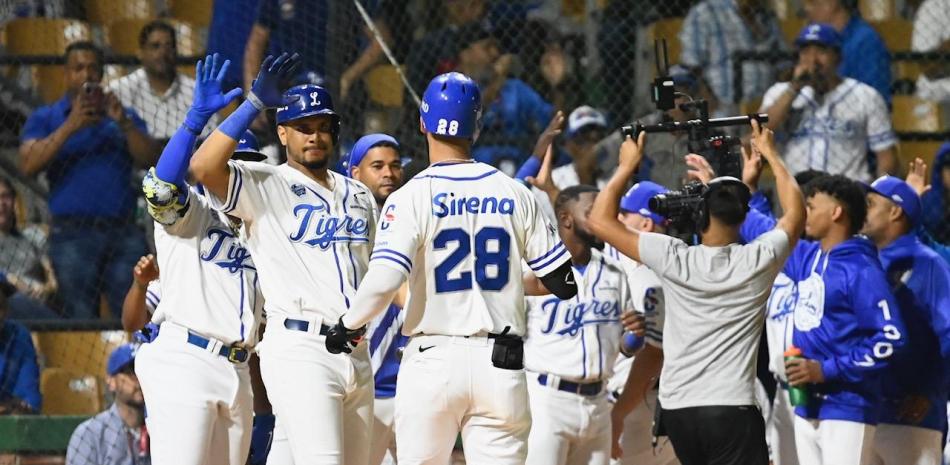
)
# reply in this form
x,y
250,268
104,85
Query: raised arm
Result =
x,y
210,163
134,308
789,194
36,153
603,216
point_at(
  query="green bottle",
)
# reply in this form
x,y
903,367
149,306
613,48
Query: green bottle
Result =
x,y
796,395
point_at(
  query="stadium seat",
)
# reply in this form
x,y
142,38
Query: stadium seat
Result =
x,y
107,11
79,351
43,36
384,86
915,115
67,392
877,10
925,150
669,29
197,12
896,33
791,27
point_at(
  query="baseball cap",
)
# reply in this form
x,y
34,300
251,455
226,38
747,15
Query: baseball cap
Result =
x,y
248,148
121,357
637,199
363,145
818,33
682,77
582,117
899,192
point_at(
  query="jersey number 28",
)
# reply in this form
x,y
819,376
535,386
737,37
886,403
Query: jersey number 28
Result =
x,y
484,258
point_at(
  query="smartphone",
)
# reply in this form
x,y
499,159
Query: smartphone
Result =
x,y
92,93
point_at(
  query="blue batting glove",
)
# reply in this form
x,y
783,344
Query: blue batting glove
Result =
x,y
209,98
631,343
147,334
262,434
266,88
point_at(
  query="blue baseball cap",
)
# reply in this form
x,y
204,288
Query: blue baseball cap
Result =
x,y
899,192
248,148
363,145
818,33
637,200
121,357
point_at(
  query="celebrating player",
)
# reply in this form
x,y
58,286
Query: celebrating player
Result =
x,y
313,230
459,230
572,346
195,375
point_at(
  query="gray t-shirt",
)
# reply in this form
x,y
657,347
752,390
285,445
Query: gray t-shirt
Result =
x,y
19,256
715,310
105,440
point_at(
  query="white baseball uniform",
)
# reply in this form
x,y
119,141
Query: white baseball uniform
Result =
x,y
314,246
569,355
459,230
200,404
646,294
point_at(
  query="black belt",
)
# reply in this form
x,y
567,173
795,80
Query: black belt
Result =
x,y
234,354
303,326
584,389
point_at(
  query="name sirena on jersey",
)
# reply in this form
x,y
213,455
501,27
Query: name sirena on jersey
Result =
x,y
446,204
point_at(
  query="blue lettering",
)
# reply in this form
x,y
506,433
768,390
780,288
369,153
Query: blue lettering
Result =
x,y
236,258
328,229
446,204
576,315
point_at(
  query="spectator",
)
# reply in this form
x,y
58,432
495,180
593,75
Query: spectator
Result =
x,y
19,372
437,52
116,436
829,122
931,34
864,57
936,201
391,20
716,29
914,408
22,264
157,91
87,144
560,84
513,111
228,35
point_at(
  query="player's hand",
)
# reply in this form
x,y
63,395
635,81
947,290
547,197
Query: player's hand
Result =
x,y
342,339
913,409
634,322
802,371
699,168
262,436
751,168
546,139
631,153
209,97
274,70
544,180
145,271
616,431
917,176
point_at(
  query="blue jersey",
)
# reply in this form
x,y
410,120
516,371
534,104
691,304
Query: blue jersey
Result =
x,y
385,342
920,281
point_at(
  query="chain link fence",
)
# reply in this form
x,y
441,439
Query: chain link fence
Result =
x,y
867,100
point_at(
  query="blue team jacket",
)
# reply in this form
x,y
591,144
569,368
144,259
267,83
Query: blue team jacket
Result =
x,y
920,281
846,318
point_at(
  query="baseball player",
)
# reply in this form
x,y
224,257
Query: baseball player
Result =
x,y
313,230
572,345
143,296
635,379
194,374
459,230
374,161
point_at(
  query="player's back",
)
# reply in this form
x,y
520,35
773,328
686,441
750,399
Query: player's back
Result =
x,y
473,228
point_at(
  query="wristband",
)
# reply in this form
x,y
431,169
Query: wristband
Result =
x,y
238,122
256,101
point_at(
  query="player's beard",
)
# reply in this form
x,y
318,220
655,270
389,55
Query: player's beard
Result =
x,y
315,164
589,239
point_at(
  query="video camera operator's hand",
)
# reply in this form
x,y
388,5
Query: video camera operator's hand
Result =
x,y
763,140
751,168
631,153
700,169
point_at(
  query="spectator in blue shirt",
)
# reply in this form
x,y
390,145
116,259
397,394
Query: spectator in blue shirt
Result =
x,y
116,436
19,372
864,57
513,114
936,201
87,144
228,33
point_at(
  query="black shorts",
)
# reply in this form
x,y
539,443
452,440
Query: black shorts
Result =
x,y
717,435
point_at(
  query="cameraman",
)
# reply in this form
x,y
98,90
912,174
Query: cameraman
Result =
x,y
715,299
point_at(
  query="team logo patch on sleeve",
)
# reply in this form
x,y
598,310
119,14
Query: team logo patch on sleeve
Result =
x,y
298,190
388,217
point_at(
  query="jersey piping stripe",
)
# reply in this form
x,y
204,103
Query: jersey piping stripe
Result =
x,y
546,254
384,257
391,251
556,258
453,178
241,306
349,248
237,182
381,331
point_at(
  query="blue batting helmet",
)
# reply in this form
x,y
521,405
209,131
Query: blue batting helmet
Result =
x,y
452,106
248,148
307,100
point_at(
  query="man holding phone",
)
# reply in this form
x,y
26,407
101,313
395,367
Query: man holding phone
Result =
x,y
87,144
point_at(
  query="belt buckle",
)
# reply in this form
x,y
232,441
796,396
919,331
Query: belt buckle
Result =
x,y
233,353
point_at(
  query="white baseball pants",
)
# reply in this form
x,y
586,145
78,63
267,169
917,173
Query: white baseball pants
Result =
x,y
199,405
323,402
781,430
833,442
384,432
448,384
637,439
907,445
567,428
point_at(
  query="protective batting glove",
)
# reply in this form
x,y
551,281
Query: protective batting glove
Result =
x,y
265,91
342,339
209,98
